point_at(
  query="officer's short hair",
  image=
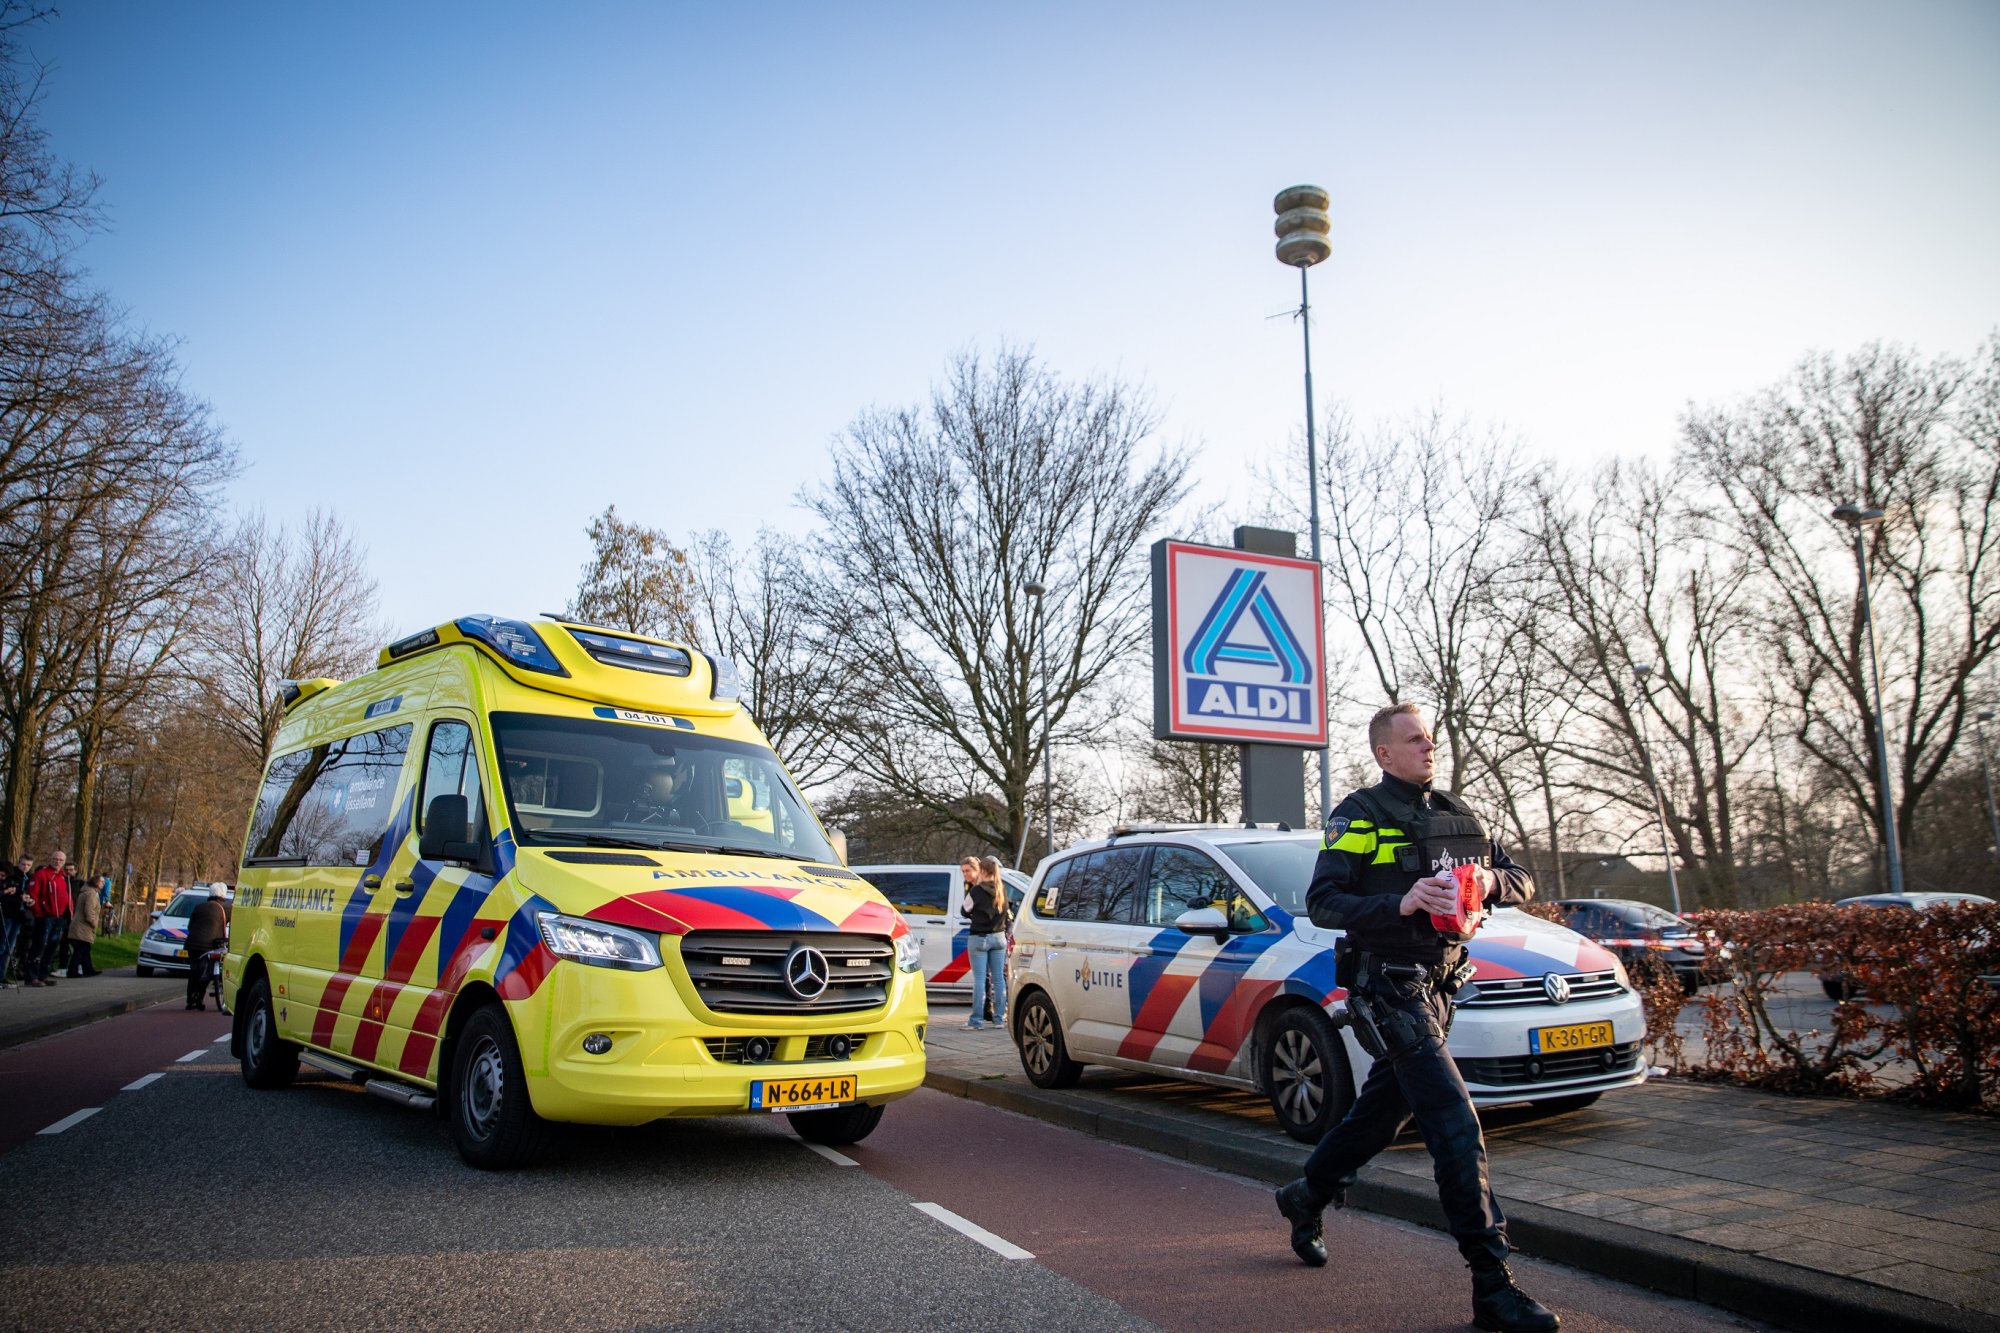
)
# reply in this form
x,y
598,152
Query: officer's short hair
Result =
x,y
1379,726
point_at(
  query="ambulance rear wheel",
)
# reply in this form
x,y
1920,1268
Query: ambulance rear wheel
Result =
x,y
1306,1074
268,1061
1044,1055
492,1121
842,1125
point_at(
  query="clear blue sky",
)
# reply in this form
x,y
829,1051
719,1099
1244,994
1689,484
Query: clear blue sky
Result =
x,y
466,274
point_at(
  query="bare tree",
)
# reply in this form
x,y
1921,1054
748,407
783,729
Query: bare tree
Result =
x,y
1920,439
285,606
635,580
760,608
937,519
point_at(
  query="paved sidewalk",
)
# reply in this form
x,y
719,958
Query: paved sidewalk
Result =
x,y
1809,1213
30,1012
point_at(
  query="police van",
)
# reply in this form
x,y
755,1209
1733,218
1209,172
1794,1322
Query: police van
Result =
x,y
543,871
931,898
1188,951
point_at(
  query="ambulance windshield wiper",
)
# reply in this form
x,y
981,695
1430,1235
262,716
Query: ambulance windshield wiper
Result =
x,y
597,839
725,850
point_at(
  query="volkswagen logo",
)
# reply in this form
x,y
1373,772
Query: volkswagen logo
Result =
x,y
806,973
1555,986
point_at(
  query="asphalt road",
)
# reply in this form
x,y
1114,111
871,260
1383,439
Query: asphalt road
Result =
x,y
192,1201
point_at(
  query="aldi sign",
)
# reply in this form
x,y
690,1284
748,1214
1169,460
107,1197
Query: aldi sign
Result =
x,y
1237,647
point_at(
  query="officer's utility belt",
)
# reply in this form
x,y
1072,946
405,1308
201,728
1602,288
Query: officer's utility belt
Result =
x,y
1357,969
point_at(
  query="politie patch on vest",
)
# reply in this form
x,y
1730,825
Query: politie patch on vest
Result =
x,y
1335,826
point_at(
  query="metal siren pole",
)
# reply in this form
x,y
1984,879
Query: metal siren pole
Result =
x,y
1302,228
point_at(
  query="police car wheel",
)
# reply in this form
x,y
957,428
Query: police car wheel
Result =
x,y
267,1061
1044,1055
492,1122
1306,1074
845,1124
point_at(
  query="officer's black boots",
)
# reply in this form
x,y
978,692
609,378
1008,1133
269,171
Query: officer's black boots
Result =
x,y
1295,1201
1501,1307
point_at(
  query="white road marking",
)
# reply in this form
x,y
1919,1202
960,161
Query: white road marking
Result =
x,y
1006,1249
224,1037
192,1055
73,1119
837,1159
137,1084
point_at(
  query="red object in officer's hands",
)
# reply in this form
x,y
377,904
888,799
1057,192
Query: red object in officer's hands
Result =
x,y
1471,905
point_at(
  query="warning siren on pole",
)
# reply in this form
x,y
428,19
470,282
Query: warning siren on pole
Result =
x,y
1302,225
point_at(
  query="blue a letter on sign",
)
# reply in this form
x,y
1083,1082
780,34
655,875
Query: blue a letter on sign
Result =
x,y
1237,646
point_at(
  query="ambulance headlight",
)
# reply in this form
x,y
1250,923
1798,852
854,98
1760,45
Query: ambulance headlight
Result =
x,y
598,944
909,954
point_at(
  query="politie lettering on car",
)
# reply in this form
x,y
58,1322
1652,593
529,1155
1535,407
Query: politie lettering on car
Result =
x,y
1186,949
535,871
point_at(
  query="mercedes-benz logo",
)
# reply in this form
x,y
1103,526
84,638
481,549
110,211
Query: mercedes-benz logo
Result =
x,y
1555,986
806,972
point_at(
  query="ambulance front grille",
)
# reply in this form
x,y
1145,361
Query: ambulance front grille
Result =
x,y
730,1050
744,973
1506,991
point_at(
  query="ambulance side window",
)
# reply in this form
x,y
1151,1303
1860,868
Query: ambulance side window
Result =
x,y
451,768
329,805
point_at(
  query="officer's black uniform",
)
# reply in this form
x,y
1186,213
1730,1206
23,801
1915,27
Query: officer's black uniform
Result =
x,y
1400,972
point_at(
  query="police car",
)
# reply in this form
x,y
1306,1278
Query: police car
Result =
x,y
932,899
1188,951
163,948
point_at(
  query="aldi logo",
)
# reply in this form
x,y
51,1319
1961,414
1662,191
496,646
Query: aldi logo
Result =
x,y
1237,646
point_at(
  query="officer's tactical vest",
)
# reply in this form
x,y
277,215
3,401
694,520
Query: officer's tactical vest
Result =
x,y
1410,843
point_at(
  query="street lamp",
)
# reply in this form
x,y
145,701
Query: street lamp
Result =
x,y
1857,518
1037,590
1986,762
1640,671
1302,229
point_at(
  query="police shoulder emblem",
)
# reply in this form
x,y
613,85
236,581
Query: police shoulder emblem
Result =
x,y
1335,826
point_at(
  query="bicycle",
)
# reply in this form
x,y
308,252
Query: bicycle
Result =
x,y
212,961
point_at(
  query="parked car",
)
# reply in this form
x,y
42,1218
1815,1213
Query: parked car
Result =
x,y
932,899
163,948
1188,951
1641,934
1837,985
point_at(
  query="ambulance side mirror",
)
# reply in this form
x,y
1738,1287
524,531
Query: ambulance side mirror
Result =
x,y
447,830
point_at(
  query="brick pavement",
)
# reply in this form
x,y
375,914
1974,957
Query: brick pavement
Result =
x,y
1892,1196
30,1012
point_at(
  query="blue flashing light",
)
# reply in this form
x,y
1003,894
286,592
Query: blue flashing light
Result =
x,y
728,685
615,650
515,641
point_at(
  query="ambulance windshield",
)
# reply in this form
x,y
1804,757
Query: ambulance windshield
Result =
x,y
580,781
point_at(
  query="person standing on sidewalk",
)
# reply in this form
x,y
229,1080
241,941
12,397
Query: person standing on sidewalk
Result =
x,y
85,913
49,892
987,923
1385,874
17,918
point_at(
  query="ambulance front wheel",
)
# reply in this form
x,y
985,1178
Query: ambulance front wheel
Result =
x,y
492,1121
843,1125
1306,1074
268,1061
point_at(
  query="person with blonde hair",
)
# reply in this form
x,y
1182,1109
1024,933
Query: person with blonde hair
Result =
x,y
988,922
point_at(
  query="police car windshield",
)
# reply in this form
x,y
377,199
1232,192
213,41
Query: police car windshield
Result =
x,y
573,781
1281,867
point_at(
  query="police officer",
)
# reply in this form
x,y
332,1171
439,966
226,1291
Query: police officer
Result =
x,y
1386,867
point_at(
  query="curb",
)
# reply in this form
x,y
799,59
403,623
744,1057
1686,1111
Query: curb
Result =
x,y
21,1036
1778,1293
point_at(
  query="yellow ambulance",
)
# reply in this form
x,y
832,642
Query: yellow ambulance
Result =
x,y
530,871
